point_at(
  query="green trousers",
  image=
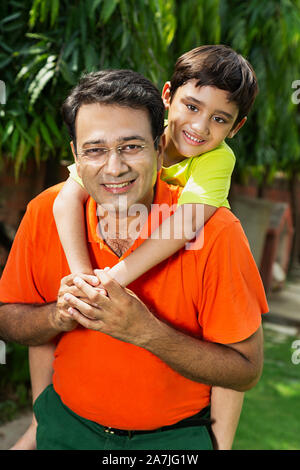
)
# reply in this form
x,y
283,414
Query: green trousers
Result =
x,y
59,428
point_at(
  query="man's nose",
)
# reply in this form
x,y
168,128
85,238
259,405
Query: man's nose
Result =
x,y
115,164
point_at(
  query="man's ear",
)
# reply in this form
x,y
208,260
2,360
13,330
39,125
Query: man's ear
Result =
x,y
75,157
160,151
234,131
166,97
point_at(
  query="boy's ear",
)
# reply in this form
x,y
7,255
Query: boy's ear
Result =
x,y
166,94
234,131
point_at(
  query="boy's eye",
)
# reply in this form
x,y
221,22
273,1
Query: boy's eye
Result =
x,y
191,107
219,120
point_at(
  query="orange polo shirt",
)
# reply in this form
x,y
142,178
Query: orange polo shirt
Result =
x,y
214,293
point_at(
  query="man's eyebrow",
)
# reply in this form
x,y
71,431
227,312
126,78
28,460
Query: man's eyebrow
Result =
x,y
201,103
94,142
120,139
130,137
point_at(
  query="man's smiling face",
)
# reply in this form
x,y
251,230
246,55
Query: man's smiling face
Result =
x,y
116,180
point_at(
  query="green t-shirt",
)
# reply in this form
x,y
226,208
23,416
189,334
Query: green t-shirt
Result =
x,y
206,178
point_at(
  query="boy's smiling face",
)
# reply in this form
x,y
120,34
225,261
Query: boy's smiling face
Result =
x,y
199,119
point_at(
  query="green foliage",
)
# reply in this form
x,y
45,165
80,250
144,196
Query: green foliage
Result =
x,y
268,34
14,382
271,413
46,46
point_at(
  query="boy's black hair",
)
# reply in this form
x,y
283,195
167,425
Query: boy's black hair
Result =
x,y
121,87
221,67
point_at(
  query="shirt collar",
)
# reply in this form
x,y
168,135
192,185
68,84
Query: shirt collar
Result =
x,y
162,195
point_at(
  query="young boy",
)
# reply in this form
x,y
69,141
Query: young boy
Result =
x,y
208,99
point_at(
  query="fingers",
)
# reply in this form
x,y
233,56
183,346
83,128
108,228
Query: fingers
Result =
x,y
84,321
89,278
86,309
93,294
114,290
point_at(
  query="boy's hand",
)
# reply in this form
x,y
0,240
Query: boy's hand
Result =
x,y
60,318
120,314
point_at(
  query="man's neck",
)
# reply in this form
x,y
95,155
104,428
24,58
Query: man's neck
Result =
x,y
120,232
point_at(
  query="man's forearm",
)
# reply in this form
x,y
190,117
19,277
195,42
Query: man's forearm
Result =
x,y
205,362
28,324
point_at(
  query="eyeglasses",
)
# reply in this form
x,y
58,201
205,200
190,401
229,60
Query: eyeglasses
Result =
x,y
126,151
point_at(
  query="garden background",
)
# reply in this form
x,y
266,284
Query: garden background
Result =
x,y
44,48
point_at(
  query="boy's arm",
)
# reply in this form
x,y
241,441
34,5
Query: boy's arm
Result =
x,y
226,406
68,213
169,237
41,377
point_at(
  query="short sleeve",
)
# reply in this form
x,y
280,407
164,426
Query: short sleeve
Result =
x,y
210,178
74,175
233,296
17,284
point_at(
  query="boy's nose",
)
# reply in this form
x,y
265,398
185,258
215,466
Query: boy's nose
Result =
x,y
201,126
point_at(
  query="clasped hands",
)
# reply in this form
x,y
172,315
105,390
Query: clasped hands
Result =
x,y
100,303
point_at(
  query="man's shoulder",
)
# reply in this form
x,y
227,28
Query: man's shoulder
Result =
x,y
223,222
166,192
224,217
39,211
46,197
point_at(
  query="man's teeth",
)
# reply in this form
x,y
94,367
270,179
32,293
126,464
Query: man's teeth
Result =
x,y
193,138
120,185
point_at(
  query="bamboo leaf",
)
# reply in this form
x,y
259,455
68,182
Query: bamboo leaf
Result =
x,y
66,73
52,125
14,143
37,149
38,85
7,131
9,18
41,79
46,135
19,159
108,8
54,11
33,13
93,8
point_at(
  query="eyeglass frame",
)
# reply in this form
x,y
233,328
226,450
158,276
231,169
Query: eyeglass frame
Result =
x,y
116,148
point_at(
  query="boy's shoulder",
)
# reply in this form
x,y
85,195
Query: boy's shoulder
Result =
x,y
221,158
222,151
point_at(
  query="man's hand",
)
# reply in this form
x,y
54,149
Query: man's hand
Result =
x,y
60,318
120,314
123,316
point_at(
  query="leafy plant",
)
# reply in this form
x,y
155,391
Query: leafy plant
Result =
x,y
14,382
267,33
45,47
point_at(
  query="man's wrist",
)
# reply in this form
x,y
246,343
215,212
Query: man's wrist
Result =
x,y
53,323
154,336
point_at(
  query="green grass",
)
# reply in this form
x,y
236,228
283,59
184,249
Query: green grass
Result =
x,y
270,419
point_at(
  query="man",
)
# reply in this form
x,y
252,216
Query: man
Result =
x,y
131,370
